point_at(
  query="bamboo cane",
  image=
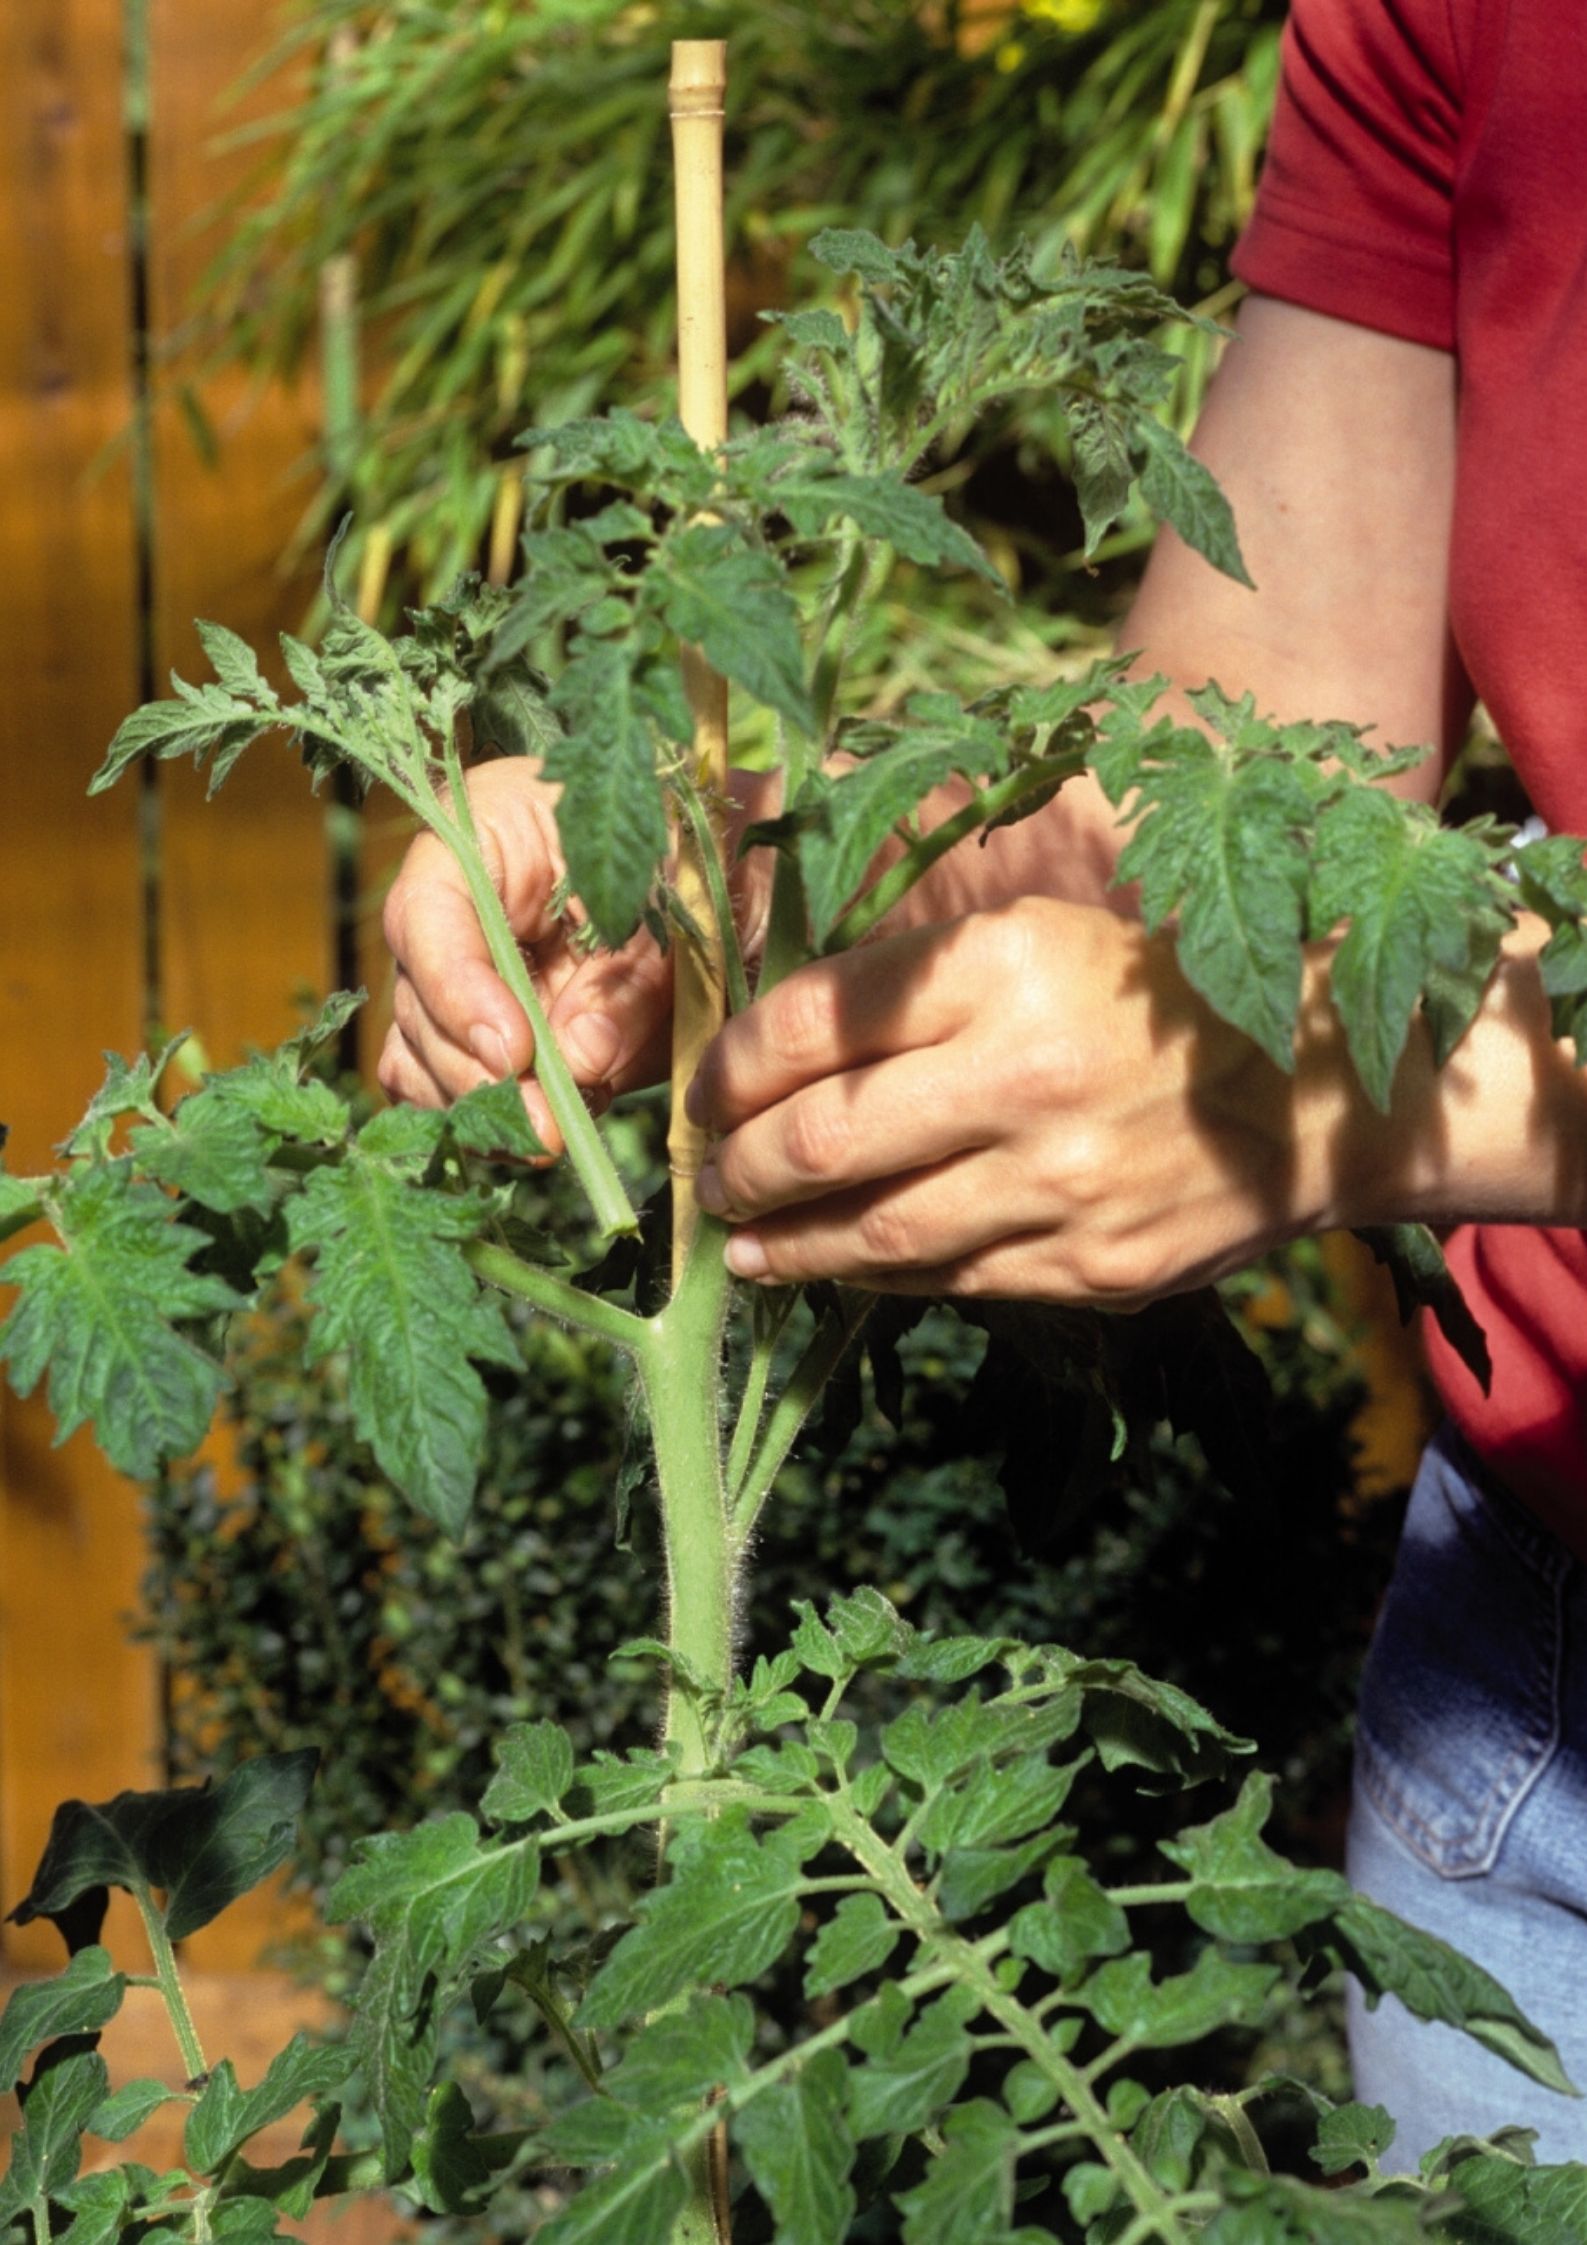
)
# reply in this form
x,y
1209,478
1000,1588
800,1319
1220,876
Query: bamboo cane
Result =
x,y
695,97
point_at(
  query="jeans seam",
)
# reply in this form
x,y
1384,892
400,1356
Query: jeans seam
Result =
x,y
1530,1758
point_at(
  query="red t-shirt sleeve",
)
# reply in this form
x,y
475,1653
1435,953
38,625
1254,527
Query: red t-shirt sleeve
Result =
x,y
1353,212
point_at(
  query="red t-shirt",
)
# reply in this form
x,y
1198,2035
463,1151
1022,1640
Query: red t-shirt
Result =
x,y
1427,177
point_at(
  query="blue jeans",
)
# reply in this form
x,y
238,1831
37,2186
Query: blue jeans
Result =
x,y
1470,1808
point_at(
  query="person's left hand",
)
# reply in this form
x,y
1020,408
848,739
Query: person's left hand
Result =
x,y
1026,1102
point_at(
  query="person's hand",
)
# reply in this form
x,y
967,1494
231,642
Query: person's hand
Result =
x,y
456,1023
1030,1101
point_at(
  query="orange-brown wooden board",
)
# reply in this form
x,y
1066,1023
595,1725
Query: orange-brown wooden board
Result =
x,y
245,900
78,1702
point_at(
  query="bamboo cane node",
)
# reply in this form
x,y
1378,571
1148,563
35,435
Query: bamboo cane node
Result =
x,y
695,101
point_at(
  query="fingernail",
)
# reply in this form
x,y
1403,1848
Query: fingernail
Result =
x,y
592,1042
489,1048
708,1190
745,1257
694,1103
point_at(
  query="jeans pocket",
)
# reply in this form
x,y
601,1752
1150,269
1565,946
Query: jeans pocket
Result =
x,y
1460,1697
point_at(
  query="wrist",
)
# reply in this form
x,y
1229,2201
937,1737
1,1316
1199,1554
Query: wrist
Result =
x,y
1498,1135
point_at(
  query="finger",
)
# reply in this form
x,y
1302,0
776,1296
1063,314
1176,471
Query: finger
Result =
x,y
855,1129
904,1232
403,1076
432,931
455,1068
612,1016
836,1014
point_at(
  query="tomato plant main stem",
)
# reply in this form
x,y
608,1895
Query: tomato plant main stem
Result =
x,y
171,1989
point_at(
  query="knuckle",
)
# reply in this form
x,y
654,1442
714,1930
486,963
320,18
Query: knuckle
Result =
x,y
887,1236
818,1137
805,1015
1115,1269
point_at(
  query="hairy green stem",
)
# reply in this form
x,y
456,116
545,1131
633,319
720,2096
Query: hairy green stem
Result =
x,y
499,1266
586,1148
924,851
171,1988
681,1369
822,1356
716,883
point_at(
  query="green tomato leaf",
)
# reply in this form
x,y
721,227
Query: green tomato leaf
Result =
x,y
449,2168
1352,2136
1507,2203
967,2197
727,1911
635,2204
1220,842
1434,1981
682,2056
1183,2008
226,2116
1077,1921
48,2149
124,2112
1241,1890
492,1119
100,1311
390,1288
534,1769
796,2144
611,816
1181,491
1407,886
733,602
77,2001
858,1938
1422,1280
212,1149
904,2085
203,1846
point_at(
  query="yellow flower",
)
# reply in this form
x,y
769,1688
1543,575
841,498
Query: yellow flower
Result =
x,y
1010,55
1073,16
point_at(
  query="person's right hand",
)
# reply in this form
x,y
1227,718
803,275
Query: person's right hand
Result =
x,y
457,1024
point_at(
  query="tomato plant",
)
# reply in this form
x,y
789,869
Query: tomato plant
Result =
x,y
890,1809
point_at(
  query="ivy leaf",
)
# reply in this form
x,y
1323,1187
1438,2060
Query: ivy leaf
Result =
x,y
1220,843
796,2144
967,2197
48,2149
534,1768
1154,2015
1181,491
390,1288
99,1313
1352,2136
727,1912
1240,1889
611,817
733,603
1434,1981
1406,886
226,2116
77,2001
203,1846
858,1938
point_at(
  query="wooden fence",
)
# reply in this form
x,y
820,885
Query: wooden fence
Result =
x,y
128,907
